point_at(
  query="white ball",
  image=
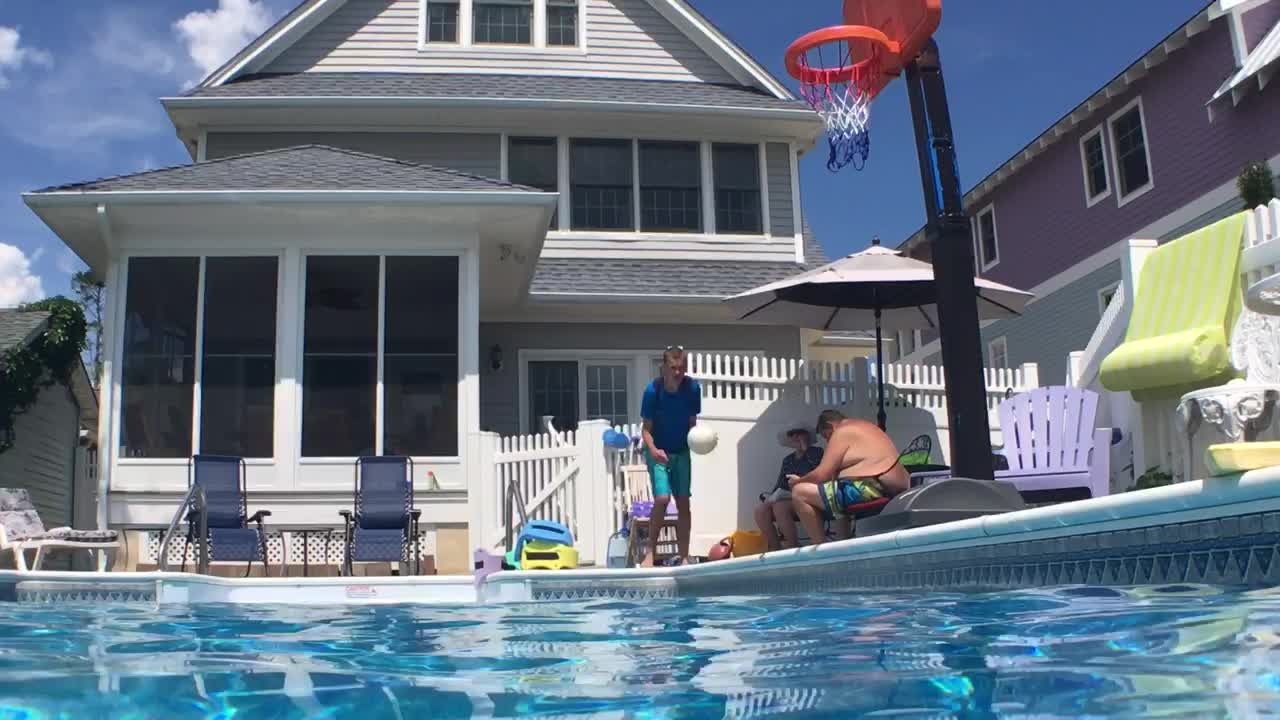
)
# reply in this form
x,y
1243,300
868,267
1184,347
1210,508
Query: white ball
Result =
x,y
702,439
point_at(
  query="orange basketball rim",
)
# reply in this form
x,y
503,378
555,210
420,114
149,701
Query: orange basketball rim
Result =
x,y
877,38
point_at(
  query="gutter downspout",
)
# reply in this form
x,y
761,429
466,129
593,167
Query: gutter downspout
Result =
x,y
106,383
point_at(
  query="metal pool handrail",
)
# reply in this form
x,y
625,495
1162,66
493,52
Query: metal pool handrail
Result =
x,y
513,497
195,500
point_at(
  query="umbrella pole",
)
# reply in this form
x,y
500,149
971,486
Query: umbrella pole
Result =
x,y
880,416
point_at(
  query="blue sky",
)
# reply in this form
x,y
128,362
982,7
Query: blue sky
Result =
x,y
79,82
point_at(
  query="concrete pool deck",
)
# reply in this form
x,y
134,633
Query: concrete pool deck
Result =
x,y
1222,530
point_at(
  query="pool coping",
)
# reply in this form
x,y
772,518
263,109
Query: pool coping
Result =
x,y
1219,530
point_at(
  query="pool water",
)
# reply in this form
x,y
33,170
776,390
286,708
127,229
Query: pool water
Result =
x,y
1177,651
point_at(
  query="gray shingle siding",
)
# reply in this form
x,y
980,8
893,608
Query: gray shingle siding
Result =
x,y
452,87
778,164
18,327
475,153
310,167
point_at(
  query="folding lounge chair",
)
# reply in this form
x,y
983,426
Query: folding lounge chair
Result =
x,y
638,497
383,518
21,529
229,536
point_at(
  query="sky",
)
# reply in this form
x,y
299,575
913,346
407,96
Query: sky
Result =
x,y
80,82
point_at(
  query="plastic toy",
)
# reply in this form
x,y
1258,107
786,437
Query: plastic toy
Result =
x,y
546,555
547,530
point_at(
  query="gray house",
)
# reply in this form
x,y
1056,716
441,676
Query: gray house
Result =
x,y
407,221
52,438
1152,154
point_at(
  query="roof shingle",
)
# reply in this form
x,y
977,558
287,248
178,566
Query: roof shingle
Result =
x,y
302,168
17,327
705,278
453,87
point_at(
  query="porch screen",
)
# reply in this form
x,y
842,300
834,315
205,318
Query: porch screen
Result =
x,y
238,357
158,357
340,356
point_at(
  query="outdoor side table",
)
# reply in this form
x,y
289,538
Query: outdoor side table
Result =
x,y
305,533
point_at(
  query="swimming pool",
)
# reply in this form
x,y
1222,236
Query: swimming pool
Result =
x,y
1184,650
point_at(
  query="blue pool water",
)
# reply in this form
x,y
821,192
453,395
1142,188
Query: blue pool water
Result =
x,y
1179,651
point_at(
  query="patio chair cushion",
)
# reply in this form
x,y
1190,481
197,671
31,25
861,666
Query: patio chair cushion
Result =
x,y
21,524
1172,345
73,535
234,544
378,545
15,499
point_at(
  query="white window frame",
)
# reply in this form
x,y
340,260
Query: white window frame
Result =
x,y
983,262
1121,198
379,421
1110,289
639,365
565,230
1084,166
538,32
1001,342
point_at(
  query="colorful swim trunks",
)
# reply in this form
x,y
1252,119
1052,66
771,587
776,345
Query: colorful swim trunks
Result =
x,y
839,495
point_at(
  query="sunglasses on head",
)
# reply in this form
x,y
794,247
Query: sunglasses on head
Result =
x,y
675,348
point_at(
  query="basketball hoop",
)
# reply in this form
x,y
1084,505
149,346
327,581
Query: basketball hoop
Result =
x,y
840,70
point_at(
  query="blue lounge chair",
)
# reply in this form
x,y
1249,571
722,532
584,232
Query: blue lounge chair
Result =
x,y
228,535
383,519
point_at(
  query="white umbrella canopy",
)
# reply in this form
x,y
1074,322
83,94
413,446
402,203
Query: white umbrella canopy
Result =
x,y
845,295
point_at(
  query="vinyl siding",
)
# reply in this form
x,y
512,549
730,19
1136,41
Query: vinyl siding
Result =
x,y
1258,22
472,153
625,38
781,204
500,390
42,459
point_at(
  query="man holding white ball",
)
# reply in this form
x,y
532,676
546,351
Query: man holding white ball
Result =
x,y
670,411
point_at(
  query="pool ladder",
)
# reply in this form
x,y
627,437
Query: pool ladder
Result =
x,y
193,501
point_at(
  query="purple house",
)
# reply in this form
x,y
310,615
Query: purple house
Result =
x,y
1152,154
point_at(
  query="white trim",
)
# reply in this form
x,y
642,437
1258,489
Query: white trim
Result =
x,y
1123,199
202,146
107,384
762,163
504,159
379,377
635,185
728,55
797,213
539,24
198,359
1084,166
1239,46
1001,342
563,183
481,103
582,25
983,261
706,155
1109,289
418,197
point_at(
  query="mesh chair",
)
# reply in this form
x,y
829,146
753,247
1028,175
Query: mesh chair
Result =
x,y
228,535
383,518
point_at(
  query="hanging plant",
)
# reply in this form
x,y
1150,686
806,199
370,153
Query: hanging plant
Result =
x,y
1256,185
47,360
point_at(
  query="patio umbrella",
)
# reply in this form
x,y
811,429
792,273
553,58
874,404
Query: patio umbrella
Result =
x,y
877,287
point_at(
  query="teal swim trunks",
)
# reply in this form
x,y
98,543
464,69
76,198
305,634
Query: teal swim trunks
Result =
x,y
674,479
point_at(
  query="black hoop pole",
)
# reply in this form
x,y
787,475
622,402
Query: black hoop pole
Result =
x,y
951,246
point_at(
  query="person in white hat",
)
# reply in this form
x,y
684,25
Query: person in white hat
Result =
x,y
776,513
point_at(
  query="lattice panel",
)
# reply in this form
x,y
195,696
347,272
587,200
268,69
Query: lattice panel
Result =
x,y
321,548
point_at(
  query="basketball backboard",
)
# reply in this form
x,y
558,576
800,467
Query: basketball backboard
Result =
x,y
910,23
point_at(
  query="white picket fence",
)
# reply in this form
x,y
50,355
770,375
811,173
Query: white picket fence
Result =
x,y
573,479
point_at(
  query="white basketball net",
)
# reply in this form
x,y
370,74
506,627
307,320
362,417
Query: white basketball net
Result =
x,y
845,108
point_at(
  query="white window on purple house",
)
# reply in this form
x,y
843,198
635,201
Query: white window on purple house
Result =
x,y
986,239
998,352
1093,159
1127,131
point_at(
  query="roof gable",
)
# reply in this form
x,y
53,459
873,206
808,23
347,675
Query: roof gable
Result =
x,y
19,327
642,39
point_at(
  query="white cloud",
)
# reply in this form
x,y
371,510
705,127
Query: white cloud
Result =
x,y
213,36
17,284
13,55
122,40
66,262
35,256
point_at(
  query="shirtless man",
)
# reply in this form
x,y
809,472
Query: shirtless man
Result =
x,y
859,464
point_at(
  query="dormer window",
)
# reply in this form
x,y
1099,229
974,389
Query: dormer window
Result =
x,y
533,24
503,22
